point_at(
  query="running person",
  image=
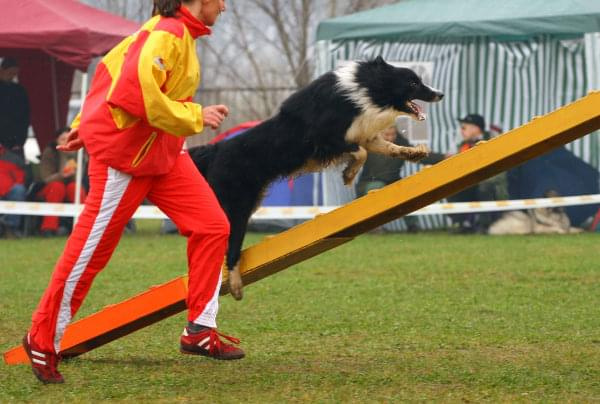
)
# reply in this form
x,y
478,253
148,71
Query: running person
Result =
x,y
133,124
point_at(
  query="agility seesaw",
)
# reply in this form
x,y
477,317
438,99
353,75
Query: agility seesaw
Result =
x,y
330,230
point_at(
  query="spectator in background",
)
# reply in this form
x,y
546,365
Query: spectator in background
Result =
x,y
379,170
472,129
57,171
12,188
14,108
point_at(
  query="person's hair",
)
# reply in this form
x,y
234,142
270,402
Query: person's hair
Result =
x,y
7,63
166,8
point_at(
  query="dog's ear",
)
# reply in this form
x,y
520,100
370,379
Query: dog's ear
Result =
x,y
379,60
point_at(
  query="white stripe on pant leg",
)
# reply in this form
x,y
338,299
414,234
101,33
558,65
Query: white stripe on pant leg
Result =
x,y
116,184
208,318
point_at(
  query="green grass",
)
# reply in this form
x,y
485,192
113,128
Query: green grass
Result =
x,y
428,317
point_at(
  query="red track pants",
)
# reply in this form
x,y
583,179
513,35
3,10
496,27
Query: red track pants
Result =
x,y
183,194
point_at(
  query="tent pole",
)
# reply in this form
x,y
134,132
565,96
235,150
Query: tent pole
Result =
x,y
79,175
54,91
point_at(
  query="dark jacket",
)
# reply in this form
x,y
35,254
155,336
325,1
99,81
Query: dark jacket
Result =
x,y
14,114
387,169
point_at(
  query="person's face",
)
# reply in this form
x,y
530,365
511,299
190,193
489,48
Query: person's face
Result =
x,y
211,10
9,74
62,138
469,131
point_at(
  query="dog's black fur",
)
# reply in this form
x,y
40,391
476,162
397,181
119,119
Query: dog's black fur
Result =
x,y
311,126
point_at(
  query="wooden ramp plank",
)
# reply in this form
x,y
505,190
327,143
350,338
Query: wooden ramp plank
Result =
x,y
342,225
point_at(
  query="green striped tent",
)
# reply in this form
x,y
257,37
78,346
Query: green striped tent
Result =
x,y
509,61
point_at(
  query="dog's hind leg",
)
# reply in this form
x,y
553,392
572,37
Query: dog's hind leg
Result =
x,y
357,160
381,146
236,285
238,221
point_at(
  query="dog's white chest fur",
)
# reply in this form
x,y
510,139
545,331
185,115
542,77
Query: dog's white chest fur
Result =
x,y
371,119
369,124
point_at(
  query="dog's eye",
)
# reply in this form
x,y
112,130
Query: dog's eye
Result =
x,y
413,84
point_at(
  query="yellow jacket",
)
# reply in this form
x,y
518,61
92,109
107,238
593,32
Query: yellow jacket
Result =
x,y
140,107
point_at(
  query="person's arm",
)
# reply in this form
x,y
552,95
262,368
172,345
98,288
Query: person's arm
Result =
x,y
139,88
433,158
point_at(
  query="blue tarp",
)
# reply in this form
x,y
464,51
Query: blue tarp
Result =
x,y
560,171
297,191
293,192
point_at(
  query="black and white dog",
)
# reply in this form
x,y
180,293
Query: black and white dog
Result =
x,y
339,116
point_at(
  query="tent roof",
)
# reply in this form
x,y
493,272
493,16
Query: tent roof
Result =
x,y
66,29
416,19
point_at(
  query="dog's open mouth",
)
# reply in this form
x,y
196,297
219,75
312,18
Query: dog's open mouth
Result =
x,y
416,110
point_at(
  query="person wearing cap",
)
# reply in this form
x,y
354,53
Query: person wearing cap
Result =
x,y
14,108
472,129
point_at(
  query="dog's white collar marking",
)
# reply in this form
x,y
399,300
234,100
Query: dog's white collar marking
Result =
x,y
346,82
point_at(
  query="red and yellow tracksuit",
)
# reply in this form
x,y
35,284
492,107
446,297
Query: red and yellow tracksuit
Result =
x,y
133,124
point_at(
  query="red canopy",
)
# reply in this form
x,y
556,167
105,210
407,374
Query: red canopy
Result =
x,y
50,39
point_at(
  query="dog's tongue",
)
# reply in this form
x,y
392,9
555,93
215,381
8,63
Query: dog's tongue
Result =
x,y
421,116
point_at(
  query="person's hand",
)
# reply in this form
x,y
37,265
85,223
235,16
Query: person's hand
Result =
x,y
73,142
69,169
213,115
67,172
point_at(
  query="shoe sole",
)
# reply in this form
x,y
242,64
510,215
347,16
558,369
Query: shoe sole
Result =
x,y
229,358
34,370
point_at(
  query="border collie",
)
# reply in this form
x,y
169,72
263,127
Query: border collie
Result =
x,y
338,117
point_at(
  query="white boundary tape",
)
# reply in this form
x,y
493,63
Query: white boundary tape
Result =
x,y
309,212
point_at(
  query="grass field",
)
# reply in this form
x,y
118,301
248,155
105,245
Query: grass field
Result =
x,y
428,317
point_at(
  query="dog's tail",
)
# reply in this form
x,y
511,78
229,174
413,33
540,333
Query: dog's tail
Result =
x,y
203,157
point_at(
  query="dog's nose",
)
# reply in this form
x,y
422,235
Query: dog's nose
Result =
x,y
438,96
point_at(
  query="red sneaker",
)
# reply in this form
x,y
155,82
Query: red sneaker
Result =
x,y
208,343
43,364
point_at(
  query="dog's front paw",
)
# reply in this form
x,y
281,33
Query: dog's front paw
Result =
x,y
416,153
236,286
